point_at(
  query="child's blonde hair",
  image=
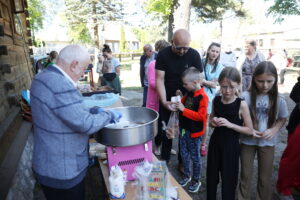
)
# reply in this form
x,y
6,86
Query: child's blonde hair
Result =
x,y
192,74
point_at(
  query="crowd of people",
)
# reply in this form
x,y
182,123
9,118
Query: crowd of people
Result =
x,y
237,99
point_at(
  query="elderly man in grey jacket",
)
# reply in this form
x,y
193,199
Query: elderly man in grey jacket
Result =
x,y
62,125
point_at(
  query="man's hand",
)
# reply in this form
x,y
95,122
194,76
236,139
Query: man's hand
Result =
x,y
96,110
117,115
170,133
169,105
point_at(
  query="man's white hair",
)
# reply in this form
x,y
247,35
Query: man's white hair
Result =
x,y
73,52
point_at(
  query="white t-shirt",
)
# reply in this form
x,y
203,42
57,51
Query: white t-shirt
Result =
x,y
228,59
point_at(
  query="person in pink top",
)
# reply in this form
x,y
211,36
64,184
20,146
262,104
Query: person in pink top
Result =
x,y
152,96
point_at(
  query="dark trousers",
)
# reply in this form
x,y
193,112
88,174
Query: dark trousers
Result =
x,y
158,137
223,158
167,143
75,193
145,93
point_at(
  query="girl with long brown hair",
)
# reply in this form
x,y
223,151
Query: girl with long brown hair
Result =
x,y
269,113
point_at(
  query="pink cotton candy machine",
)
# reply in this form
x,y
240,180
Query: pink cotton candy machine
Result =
x,y
129,142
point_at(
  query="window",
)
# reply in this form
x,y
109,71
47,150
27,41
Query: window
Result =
x,y
272,42
18,23
18,6
5,18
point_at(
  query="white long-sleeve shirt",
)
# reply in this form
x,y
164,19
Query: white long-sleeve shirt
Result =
x,y
228,59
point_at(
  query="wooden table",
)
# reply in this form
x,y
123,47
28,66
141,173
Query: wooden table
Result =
x,y
130,188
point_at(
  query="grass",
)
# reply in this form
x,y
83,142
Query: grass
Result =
x,y
126,67
134,88
129,61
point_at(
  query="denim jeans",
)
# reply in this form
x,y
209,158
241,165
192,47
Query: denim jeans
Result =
x,y
190,154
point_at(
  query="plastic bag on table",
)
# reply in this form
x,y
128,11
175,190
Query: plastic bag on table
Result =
x,y
153,182
172,129
141,173
117,182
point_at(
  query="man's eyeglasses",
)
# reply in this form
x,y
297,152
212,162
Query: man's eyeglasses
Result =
x,y
180,48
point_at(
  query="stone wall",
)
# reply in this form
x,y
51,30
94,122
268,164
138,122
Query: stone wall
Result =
x,y
16,75
23,182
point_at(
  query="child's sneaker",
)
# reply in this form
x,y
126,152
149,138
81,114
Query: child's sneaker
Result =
x,y
183,182
194,187
203,150
284,197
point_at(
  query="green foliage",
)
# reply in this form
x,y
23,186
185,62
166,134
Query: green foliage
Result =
x,y
149,35
211,10
207,10
80,33
282,8
38,43
141,36
36,10
90,13
163,7
123,44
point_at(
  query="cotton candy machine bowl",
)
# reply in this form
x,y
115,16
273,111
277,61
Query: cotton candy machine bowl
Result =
x,y
138,125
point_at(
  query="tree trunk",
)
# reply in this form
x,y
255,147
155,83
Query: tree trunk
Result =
x,y
170,26
182,14
221,31
95,25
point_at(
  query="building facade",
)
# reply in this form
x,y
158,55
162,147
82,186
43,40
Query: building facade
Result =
x,y
15,76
